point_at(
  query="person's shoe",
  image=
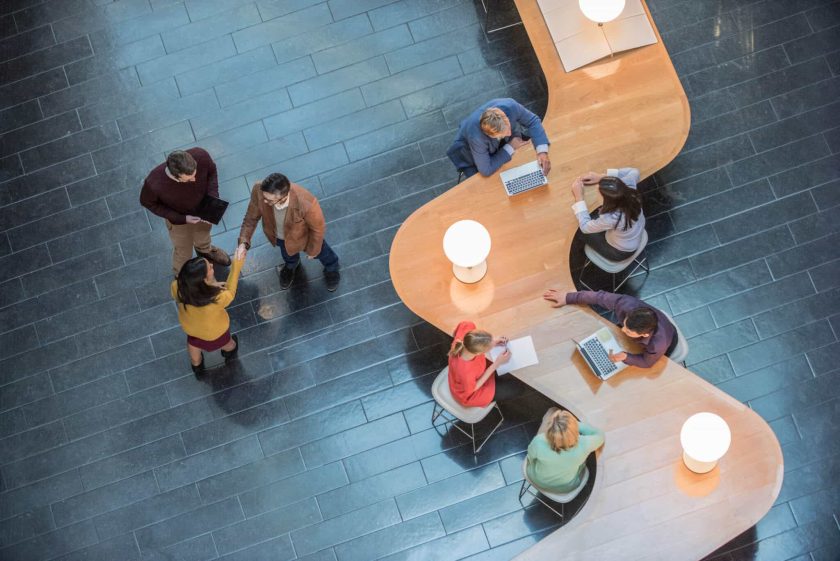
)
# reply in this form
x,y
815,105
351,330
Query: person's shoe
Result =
x,y
230,355
198,369
217,256
286,276
332,278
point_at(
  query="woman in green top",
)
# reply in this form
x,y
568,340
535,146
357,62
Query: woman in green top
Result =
x,y
557,454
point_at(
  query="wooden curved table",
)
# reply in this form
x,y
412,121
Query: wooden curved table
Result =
x,y
625,110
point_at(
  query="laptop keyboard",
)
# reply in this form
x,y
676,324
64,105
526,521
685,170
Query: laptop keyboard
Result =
x,y
525,182
599,356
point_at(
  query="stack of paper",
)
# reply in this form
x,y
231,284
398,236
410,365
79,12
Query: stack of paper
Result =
x,y
580,40
522,354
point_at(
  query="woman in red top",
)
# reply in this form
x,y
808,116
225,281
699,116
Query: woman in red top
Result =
x,y
473,381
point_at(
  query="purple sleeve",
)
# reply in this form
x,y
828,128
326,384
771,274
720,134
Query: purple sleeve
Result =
x,y
149,199
606,300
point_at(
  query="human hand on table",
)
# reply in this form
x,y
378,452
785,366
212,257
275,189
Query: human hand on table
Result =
x,y
618,357
516,142
591,177
502,358
500,341
544,162
577,189
556,297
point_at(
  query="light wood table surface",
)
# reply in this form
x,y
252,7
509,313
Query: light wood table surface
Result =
x,y
628,110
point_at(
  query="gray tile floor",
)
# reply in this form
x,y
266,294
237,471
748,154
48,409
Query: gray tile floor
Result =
x,y
316,443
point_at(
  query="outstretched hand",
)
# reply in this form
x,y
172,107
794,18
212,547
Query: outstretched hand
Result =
x,y
618,357
556,297
240,253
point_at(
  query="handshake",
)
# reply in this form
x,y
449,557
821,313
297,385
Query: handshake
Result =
x,y
241,252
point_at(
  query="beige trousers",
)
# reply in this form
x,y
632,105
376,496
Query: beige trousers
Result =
x,y
184,238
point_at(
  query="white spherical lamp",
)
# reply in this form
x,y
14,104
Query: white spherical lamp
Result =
x,y
601,11
467,245
705,438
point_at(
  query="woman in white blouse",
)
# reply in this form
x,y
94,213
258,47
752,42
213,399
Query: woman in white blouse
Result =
x,y
616,232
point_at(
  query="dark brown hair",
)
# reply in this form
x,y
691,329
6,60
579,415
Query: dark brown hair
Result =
x,y
641,320
619,197
180,163
276,183
192,287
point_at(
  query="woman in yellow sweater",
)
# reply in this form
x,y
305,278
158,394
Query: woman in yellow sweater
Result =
x,y
201,303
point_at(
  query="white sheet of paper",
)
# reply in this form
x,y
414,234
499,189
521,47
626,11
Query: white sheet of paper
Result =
x,y
522,354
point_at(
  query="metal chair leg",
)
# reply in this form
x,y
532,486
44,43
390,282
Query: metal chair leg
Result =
x,y
536,495
460,176
580,276
501,420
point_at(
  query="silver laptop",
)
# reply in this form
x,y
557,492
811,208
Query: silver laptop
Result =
x,y
595,351
523,178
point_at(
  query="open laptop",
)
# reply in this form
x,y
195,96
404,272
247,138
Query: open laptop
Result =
x,y
523,178
595,351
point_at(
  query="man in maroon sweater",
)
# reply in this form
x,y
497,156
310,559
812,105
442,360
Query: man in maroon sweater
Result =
x,y
173,191
648,326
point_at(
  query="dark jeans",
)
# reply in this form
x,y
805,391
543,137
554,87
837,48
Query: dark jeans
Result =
x,y
598,242
508,387
327,257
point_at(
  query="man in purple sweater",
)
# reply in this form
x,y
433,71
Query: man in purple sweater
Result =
x,y
173,191
648,326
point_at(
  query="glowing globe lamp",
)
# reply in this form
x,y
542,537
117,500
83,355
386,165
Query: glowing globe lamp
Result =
x,y
705,438
467,245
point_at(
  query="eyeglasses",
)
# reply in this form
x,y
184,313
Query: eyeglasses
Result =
x,y
279,201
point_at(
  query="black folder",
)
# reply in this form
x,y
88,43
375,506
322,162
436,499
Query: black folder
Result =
x,y
211,209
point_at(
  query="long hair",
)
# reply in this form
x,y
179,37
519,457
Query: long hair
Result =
x,y
563,432
192,288
475,341
619,197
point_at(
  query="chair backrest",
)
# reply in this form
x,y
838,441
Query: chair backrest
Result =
x,y
680,352
610,266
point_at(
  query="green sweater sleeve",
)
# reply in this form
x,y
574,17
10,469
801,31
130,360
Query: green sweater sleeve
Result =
x,y
590,438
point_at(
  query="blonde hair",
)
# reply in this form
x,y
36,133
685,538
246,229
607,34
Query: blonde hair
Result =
x,y
493,120
563,432
475,341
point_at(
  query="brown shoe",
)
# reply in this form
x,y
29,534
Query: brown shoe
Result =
x,y
217,256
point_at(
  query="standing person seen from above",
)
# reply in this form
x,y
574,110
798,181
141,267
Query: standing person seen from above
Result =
x,y
645,324
557,454
617,231
202,303
292,219
489,136
473,380
174,190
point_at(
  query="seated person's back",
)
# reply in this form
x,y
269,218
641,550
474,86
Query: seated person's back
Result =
x,y
617,232
488,137
557,454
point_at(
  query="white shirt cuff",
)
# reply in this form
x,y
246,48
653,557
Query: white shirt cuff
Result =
x,y
579,206
509,149
542,148
612,172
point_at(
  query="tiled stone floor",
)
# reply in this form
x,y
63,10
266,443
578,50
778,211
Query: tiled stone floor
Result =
x,y
316,443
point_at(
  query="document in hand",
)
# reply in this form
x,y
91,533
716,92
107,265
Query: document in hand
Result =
x,y
522,354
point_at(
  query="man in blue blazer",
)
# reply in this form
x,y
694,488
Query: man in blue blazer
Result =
x,y
487,138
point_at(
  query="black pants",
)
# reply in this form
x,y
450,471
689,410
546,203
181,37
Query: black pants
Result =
x,y
508,387
598,242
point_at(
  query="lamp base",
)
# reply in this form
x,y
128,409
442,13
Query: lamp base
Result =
x,y
470,275
697,466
